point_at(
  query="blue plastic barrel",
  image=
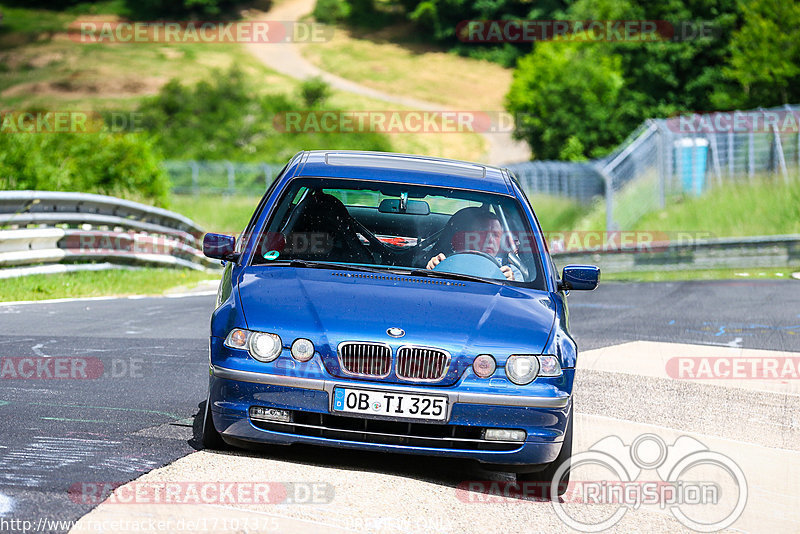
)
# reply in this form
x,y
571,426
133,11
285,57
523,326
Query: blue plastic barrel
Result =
x,y
691,156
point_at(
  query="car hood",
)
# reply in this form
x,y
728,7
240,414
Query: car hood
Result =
x,y
332,306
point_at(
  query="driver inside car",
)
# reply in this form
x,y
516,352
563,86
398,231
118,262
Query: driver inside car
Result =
x,y
473,229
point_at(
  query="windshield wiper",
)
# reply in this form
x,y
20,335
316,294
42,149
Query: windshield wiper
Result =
x,y
455,276
326,265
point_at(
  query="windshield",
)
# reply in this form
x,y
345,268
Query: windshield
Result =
x,y
432,231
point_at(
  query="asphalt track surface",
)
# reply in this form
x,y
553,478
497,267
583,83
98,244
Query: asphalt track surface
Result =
x,y
138,414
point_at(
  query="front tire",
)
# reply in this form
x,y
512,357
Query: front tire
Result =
x,y
212,439
544,478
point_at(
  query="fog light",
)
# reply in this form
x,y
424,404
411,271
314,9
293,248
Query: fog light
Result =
x,y
484,365
503,434
302,350
260,413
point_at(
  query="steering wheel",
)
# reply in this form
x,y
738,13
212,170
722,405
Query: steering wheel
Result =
x,y
472,262
483,254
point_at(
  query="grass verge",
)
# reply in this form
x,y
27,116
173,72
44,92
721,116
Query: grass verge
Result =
x,y
219,214
389,61
767,206
558,214
710,274
99,284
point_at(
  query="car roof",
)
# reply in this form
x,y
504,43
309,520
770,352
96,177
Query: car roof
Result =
x,y
400,168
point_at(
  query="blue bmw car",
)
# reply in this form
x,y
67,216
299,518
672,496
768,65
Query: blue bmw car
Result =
x,y
397,303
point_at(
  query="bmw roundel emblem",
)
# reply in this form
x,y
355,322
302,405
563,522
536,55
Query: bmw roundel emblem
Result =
x,y
396,332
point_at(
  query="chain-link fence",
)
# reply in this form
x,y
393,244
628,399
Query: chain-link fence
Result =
x,y
579,181
689,155
667,159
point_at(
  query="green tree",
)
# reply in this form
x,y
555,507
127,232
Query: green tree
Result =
x,y
566,93
677,72
764,56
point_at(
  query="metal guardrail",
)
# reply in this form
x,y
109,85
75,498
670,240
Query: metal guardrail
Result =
x,y
39,227
778,251
79,228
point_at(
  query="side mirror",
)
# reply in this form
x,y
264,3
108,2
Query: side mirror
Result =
x,y
220,247
580,277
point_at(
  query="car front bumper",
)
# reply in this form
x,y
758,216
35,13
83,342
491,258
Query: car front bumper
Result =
x,y
543,415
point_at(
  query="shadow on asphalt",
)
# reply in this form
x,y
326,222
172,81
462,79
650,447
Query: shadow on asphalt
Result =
x,y
448,472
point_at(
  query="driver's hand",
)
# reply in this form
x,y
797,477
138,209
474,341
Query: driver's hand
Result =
x,y
436,260
506,271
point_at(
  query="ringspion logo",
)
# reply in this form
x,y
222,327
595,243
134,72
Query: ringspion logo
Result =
x,y
703,489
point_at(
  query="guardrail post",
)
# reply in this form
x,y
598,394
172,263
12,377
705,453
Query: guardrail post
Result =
x,y
779,153
661,158
730,153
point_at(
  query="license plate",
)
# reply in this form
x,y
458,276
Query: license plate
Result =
x,y
390,404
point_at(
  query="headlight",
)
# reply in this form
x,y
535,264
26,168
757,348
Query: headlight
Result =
x,y
522,369
302,350
549,365
484,365
265,347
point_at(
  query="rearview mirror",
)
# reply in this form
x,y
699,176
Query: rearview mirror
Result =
x,y
412,207
580,277
220,247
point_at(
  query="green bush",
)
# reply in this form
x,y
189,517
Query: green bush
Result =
x,y
222,120
331,11
178,9
105,163
314,92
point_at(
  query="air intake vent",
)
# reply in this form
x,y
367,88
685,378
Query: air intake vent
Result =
x,y
405,279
